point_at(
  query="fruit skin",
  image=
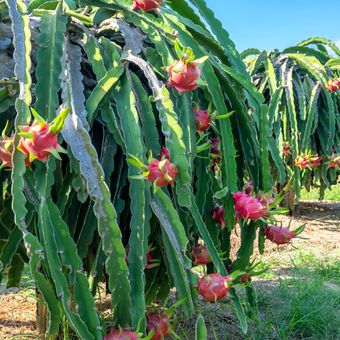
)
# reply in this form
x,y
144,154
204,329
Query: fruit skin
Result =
x,y
213,287
202,119
40,144
218,216
6,152
164,154
6,149
246,206
200,254
285,149
215,152
333,85
161,172
121,334
146,5
315,160
249,187
304,161
334,162
183,75
265,199
301,161
279,235
159,322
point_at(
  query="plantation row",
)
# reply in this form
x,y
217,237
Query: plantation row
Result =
x,y
136,140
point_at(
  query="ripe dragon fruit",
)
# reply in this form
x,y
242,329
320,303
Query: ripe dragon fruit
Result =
x,y
202,119
302,161
249,187
121,334
183,75
218,216
40,140
146,5
161,172
285,149
308,160
164,154
333,85
278,234
200,254
6,151
246,206
334,162
186,71
215,151
159,322
213,287
265,199
315,160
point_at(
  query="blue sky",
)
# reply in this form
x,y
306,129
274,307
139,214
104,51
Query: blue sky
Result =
x,y
269,24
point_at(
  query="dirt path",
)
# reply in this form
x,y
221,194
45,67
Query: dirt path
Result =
x,y
322,237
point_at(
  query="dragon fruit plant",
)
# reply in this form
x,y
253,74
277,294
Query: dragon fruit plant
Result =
x,y
301,86
130,74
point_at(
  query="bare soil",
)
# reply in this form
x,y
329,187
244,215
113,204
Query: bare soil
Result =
x,y
321,237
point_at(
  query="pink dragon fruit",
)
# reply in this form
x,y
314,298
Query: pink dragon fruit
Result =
x,y
184,74
121,334
200,254
308,160
6,152
202,119
246,206
286,148
159,322
278,234
40,140
334,162
315,160
146,5
161,172
333,85
218,216
213,287
249,187
165,154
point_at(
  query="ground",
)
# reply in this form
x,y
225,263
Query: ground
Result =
x,y
299,297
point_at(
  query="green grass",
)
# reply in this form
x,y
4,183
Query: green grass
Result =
x,y
303,306
330,195
301,303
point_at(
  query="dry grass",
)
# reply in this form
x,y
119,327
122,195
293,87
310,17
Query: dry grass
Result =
x,y
17,314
